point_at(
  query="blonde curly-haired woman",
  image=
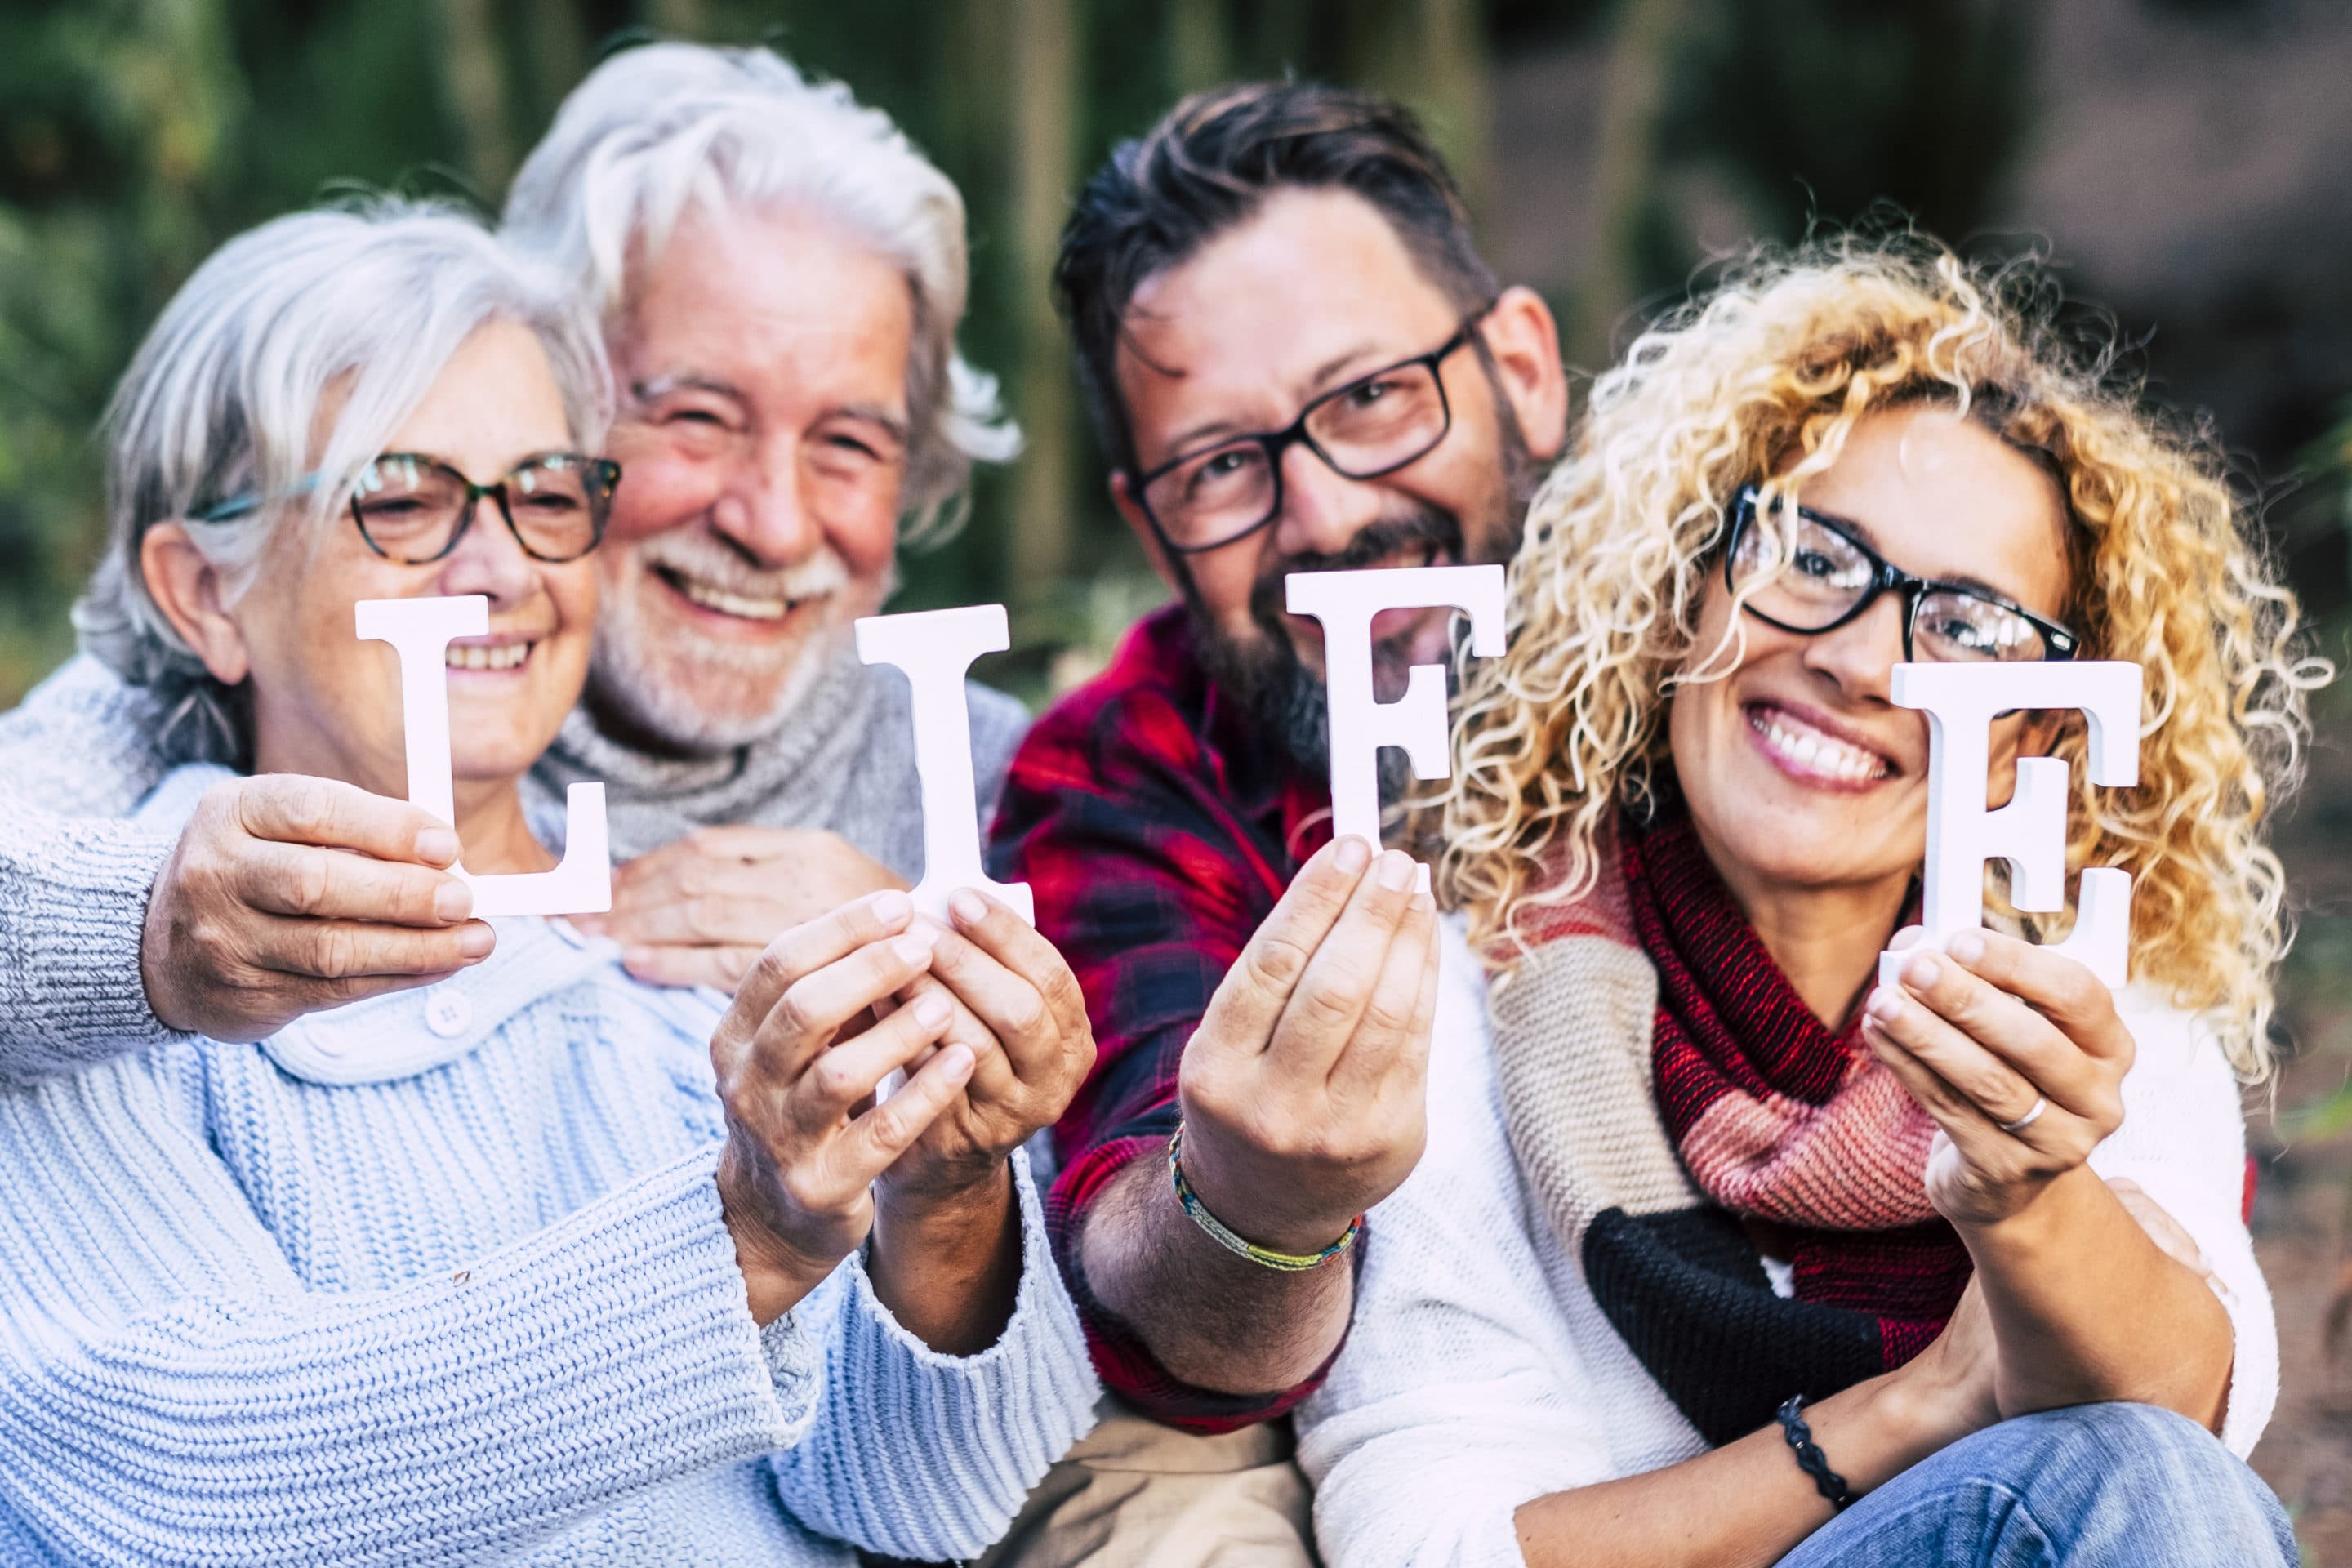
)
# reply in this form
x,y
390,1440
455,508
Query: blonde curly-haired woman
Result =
x,y
1721,1254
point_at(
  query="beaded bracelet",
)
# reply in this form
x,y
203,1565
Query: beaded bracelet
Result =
x,y
1810,1458
1287,1262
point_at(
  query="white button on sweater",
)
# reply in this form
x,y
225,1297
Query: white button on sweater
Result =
x,y
1480,1373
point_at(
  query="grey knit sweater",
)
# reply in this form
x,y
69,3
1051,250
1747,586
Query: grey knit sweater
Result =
x,y
79,754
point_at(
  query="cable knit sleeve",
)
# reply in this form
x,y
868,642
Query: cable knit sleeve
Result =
x,y
75,757
918,1454
1459,1395
2183,1140
170,1393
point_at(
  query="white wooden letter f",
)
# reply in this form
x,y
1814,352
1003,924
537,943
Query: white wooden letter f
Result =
x,y
420,632
1345,602
1961,701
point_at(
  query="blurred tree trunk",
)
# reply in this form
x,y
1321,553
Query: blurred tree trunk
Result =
x,y
1431,55
475,84
1199,51
1046,54
679,19
558,46
1625,172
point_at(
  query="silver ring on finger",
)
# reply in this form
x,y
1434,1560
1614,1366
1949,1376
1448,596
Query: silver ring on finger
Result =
x,y
2026,1121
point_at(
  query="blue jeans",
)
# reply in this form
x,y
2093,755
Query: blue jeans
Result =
x,y
2101,1485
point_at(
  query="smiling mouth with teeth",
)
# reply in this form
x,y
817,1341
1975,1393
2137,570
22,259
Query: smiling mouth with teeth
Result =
x,y
1802,749
490,657
743,607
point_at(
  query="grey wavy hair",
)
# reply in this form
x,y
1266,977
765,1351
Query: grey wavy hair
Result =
x,y
368,300
671,123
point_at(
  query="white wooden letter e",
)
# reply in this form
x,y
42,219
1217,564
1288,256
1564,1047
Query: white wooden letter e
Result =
x,y
420,632
2029,833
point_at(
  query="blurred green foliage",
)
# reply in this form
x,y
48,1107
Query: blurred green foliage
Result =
x,y
137,134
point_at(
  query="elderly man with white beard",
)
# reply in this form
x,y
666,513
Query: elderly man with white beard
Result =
x,y
780,275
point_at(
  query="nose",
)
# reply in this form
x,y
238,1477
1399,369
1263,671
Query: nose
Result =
x,y
763,509
1322,509
1859,657
490,560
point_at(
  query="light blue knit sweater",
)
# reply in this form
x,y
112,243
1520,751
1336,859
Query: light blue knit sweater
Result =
x,y
488,1311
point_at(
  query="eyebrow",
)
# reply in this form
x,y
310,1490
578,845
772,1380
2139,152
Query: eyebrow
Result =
x,y
894,424
1198,438
682,381
1863,531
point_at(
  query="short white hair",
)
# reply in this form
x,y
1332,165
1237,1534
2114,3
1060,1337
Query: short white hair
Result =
x,y
667,124
222,399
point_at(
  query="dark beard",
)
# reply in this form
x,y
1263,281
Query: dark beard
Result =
x,y
1285,699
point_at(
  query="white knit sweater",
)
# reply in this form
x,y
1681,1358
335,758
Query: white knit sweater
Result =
x,y
1480,1373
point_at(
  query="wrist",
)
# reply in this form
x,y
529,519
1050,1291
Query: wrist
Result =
x,y
949,1207
1272,1208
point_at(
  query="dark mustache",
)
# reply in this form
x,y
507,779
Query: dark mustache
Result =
x,y
1379,540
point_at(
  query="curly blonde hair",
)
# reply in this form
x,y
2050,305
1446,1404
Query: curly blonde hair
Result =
x,y
1762,381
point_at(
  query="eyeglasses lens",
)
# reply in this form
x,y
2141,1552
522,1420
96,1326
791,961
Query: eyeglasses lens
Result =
x,y
1214,496
559,505
1961,628
1380,424
1821,577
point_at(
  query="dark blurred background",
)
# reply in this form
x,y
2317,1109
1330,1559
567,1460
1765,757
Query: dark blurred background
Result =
x,y
2188,162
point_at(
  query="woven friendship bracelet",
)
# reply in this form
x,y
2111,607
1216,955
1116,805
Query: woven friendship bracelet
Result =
x,y
1810,1458
1265,1257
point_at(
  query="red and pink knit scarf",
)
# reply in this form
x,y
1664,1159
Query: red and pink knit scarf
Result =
x,y
1777,1117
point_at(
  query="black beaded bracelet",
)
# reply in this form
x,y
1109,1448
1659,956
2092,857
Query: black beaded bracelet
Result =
x,y
1810,1458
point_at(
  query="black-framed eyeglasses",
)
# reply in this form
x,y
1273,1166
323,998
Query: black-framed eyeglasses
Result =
x,y
1373,426
1827,577
413,509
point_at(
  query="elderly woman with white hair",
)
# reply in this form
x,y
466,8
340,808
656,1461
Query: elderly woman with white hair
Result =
x,y
544,1265
778,275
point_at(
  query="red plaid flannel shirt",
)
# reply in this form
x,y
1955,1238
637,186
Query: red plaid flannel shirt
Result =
x,y
1156,832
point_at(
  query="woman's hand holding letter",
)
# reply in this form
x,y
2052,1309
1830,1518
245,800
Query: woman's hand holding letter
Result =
x,y
798,1058
2018,1054
288,894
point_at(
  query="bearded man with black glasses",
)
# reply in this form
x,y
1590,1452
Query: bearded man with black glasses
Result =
x,y
1299,363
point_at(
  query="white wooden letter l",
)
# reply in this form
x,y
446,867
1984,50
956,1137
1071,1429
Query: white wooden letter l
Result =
x,y
420,632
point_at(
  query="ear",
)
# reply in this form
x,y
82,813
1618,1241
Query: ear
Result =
x,y
1122,496
1524,342
186,588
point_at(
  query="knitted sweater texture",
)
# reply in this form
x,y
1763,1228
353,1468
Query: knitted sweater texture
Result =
x,y
79,753
1480,1372
485,1311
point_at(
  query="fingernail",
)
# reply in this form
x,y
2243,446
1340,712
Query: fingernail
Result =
x,y
1396,870
1883,1005
967,906
956,1063
452,902
1967,947
477,940
931,1011
436,846
1353,857
892,907
915,946
1921,971
1908,938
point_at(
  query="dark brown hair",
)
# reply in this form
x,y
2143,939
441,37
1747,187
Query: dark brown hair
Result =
x,y
1208,166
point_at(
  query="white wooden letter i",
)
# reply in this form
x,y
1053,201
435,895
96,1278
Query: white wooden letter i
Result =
x,y
934,648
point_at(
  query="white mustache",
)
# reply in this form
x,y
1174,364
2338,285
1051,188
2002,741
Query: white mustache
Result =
x,y
704,561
